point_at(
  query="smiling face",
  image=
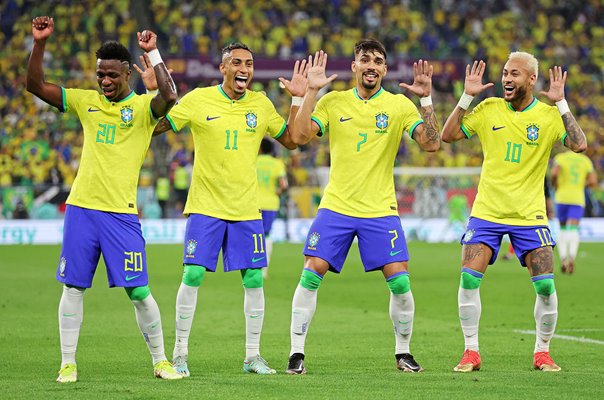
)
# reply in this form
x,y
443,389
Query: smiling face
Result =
x,y
517,81
369,68
112,77
237,69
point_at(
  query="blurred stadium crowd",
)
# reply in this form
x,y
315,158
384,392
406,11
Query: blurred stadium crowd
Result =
x,y
40,148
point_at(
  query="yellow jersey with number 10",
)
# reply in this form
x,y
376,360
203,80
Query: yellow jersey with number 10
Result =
x,y
516,146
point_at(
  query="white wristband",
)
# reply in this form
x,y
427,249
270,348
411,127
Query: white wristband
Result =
x,y
155,57
425,101
562,106
297,101
153,92
465,100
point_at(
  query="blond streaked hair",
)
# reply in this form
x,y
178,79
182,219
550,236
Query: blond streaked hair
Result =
x,y
532,65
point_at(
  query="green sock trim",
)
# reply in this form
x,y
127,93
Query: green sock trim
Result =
x,y
310,280
400,284
469,281
138,293
572,227
252,278
193,275
545,287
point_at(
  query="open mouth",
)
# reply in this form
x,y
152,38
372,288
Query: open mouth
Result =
x,y
370,76
241,81
109,92
508,90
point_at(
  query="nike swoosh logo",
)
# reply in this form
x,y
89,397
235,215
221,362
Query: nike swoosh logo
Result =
x,y
342,119
404,322
154,325
257,259
129,278
496,128
208,118
90,109
548,323
393,253
69,315
254,316
185,317
464,318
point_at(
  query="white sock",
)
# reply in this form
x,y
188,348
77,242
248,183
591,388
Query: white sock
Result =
x,y
253,309
402,308
469,315
562,244
573,243
304,305
149,322
186,301
269,249
71,313
546,316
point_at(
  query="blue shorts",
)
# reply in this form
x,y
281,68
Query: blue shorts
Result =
x,y
381,240
268,217
242,243
524,239
569,211
89,233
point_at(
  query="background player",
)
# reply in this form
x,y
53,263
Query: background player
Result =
x,y
570,174
517,133
101,215
366,125
228,122
272,183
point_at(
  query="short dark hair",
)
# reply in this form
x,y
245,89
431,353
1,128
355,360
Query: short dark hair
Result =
x,y
113,50
234,46
368,46
266,146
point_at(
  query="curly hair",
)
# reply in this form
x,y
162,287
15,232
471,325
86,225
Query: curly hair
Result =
x,y
114,51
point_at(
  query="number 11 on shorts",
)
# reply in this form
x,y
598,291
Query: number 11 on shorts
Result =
x,y
258,240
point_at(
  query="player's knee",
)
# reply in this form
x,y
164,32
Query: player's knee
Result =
x,y
193,275
139,293
544,286
470,279
252,278
399,284
310,279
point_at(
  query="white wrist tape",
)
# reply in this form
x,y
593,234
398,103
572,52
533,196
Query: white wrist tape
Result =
x,y
297,101
155,57
425,101
562,106
153,92
465,100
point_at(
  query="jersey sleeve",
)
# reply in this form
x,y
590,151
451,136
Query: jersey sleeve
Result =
x,y
276,123
557,125
320,114
471,122
280,168
179,115
72,98
411,117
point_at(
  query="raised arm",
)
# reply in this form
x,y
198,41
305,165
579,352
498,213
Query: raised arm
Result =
x,y
296,87
473,85
42,28
575,138
304,128
426,134
166,98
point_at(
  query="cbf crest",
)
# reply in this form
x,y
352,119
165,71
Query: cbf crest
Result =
x,y
62,265
251,119
532,132
313,240
127,114
191,248
468,235
381,120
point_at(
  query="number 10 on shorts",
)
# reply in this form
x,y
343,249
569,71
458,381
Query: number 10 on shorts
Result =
x,y
544,236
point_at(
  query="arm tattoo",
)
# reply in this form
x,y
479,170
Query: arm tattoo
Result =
x,y
575,138
162,126
431,125
460,115
540,261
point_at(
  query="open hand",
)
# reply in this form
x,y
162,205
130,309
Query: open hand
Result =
x,y
422,79
316,72
297,85
473,84
557,80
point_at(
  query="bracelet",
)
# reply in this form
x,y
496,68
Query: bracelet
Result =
x,y
425,101
465,100
153,92
155,57
297,101
562,106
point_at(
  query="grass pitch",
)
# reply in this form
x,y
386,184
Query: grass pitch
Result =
x,y
349,350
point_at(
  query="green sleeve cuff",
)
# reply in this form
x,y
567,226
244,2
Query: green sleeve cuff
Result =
x,y
283,128
415,125
172,124
465,131
564,138
321,126
64,100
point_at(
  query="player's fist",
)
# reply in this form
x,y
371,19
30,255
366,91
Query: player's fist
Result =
x,y
42,27
147,40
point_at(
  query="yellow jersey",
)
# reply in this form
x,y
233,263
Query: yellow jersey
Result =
x,y
270,170
516,146
226,136
574,169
